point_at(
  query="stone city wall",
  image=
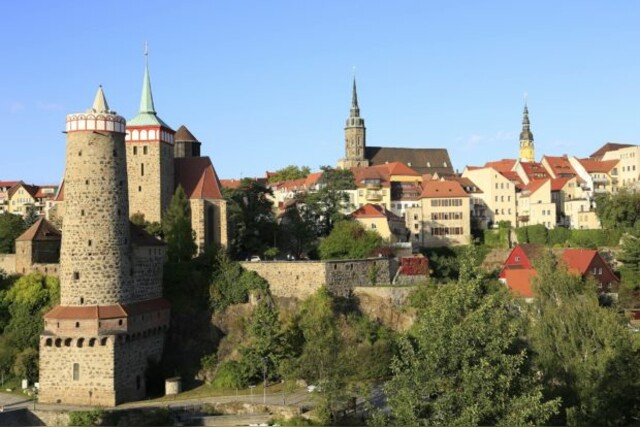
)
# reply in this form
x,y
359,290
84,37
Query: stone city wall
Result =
x,y
131,359
297,279
93,383
300,279
8,263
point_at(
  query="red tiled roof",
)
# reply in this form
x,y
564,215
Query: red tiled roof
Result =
x,y
370,173
468,185
444,189
519,281
41,230
559,183
233,184
49,195
312,179
8,184
598,165
534,185
609,146
578,259
504,165
512,176
560,165
398,168
113,311
368,211
197,177
534,170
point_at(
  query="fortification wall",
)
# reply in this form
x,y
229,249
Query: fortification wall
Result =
x,y
147,272
91,382
131,359
300,279
8,263
290,279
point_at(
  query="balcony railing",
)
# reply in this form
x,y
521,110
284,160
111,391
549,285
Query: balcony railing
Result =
x,y
374,195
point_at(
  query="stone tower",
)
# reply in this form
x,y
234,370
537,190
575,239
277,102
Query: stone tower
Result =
x,y
111,319
355,135
527,153
149,157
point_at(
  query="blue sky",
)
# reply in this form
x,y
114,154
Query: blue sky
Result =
x,y
264,84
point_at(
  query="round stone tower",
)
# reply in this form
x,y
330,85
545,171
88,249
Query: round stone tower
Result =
x,y
95,258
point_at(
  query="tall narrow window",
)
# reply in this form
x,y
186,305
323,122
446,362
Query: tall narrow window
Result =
x,y
142,169
144,150
135,150
76,371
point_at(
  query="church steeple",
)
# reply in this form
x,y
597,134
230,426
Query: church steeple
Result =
x,y
526,138
146,102
355,135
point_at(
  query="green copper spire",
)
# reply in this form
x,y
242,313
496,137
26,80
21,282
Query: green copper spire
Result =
x,y
147,114
146,102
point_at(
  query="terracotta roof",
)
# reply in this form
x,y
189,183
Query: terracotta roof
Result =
x,y
560,165
609,146
370,173
534,185
291,185
578,259
504,165
142,307
534,170
43,193
140,236
8,184
368,211
422,160
113,311
519,281
512,176
592,166
233,184
312,179
183,134
468,185
197,177
397,168
86,312
41,230
559,183
431,189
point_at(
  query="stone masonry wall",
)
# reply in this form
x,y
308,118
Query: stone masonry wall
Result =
x,y
209,222
95,260
8,263
131,360
287,279
23,257
150,178
147,272
300,279
94,383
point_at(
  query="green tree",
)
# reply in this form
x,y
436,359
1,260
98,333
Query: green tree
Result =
x,y
322,361
289,173
349,240
231,284
296,233
153,228
621,210
584,353
179,235
253,225
464,362
629,256
265,345
325,205
11,227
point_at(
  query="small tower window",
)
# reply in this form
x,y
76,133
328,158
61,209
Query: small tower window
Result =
x,y
82,212
89,243
76,275
139,187
120,322
141,169
77,324
81,300
144,150
79,153
76,371
86,181
115,153
135,150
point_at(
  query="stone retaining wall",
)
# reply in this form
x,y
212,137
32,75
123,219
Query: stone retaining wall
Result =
x,y
300,279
